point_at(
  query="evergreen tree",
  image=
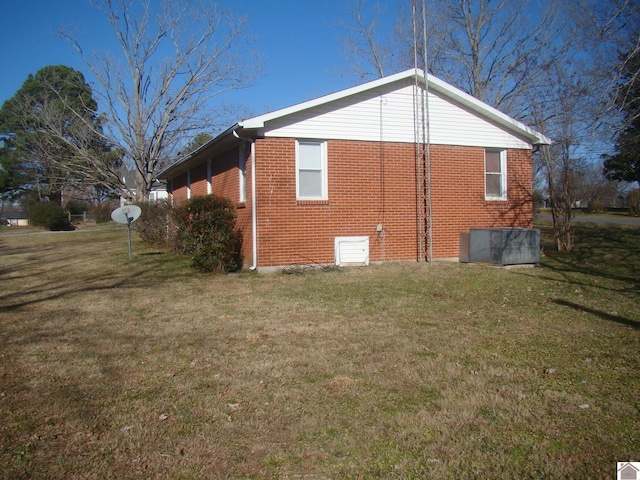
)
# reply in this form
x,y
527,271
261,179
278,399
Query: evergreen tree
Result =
x,y
624,164
11,177
46,130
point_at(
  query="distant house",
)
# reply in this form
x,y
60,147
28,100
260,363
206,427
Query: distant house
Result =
x,y
360,176
158,189
15,218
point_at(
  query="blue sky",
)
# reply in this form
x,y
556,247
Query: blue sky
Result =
x,y
299,41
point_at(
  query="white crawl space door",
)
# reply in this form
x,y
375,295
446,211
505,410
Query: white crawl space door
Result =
x,y
352,250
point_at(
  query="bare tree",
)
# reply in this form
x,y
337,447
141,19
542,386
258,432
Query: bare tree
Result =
x,y
367,54
175,58
591,185
87,160
610,30
567,118
495,50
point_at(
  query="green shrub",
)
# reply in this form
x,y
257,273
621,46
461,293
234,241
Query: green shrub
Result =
x,y
205,227
538,200
49,215
77,207
153,224
633,200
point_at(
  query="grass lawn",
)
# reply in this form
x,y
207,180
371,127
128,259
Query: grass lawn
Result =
x,y
121,369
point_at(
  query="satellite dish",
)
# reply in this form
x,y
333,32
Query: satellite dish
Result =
x,y
126,215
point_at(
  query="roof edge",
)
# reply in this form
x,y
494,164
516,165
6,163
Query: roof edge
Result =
x,y
429,81
259,121
197,151
486,109
440,85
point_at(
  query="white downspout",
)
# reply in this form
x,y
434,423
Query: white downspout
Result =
x,y
254,215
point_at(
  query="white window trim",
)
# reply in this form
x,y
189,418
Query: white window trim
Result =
x,y
503,177
324,173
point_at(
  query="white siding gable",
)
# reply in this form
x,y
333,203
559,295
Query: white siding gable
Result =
x,y
387,114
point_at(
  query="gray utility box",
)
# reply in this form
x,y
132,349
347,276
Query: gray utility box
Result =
x,y
501,246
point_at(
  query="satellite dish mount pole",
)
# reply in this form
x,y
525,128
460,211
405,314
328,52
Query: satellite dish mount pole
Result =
x,y
127,214
129,220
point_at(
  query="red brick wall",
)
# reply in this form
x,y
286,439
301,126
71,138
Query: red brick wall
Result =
x,y
369,184
244,209
458,195
179,193
225,183
198,176
224,175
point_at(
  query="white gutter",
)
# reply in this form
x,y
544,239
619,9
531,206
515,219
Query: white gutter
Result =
x,y
254,215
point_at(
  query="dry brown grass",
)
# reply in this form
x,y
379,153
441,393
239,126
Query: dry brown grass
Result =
x,y
143,369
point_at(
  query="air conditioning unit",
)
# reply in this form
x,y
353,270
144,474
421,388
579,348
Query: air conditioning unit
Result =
x,y
502,246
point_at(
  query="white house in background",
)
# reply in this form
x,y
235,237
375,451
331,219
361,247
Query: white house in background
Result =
x,y
14,218
158,189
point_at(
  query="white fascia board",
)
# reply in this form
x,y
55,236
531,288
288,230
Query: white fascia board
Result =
x,y
260,120
487,110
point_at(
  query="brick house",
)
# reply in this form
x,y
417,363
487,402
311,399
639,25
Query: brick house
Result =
x,y
346,178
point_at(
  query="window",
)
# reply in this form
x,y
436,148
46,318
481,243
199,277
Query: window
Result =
x,y
495,168
311,170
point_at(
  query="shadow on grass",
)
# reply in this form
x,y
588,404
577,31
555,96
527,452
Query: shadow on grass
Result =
x,y
606,251
598,313
55,291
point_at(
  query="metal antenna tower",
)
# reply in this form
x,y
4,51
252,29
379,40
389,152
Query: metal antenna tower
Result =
x,y
422,144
